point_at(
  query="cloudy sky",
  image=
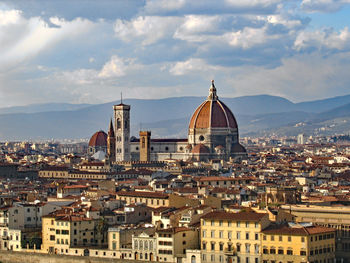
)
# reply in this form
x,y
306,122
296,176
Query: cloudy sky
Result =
x,y
87,51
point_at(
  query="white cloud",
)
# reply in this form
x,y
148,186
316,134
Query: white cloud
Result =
x,y
148,29
323,5
180,7
191,66
22,39
323,40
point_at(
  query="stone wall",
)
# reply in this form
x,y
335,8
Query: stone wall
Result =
x,y
20,257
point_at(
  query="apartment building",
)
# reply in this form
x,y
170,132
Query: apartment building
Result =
x,y
298,243
62,231
232,237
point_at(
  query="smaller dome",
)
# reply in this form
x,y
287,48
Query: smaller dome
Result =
x,y
99,139
200,149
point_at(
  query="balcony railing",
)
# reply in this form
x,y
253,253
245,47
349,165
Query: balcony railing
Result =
x,y
230,251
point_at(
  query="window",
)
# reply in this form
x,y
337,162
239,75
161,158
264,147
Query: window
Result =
x,y
247,248
302,253
229,234
256,248
204,233
289,239
238,224
52,237
272,238
212,246
221,247
280,238
220,223
203,222
212,222
221,234
238,247
272,250
256,225
256,236
238,235
264,237
303,239
280,251
229,223
247,236
204,246
212,234
289,251
246,224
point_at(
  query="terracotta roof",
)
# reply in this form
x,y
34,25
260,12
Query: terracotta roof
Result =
x,y
240,216
212,114
298,231
143,194
98,139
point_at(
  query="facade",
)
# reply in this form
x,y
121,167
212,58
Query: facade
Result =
x,y
298,244
327,216
232,237
60,233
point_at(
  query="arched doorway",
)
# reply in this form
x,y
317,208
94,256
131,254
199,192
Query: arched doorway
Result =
x,y
136,256
193,259
151,257
86,252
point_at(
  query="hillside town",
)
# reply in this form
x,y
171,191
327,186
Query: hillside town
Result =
x,y
210,198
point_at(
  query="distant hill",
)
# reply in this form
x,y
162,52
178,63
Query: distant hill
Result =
x,y
33,108
261,114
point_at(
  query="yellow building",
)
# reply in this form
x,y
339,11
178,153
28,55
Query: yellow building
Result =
x,y
298,244
155,199
172,243
232,237
62,232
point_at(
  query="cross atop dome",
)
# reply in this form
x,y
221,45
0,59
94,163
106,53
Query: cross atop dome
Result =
x,y
212,92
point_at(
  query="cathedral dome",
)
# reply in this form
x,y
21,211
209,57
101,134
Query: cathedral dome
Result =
x,y
99,139
212,113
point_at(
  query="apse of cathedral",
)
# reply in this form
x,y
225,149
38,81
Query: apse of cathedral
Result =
x,y
212,134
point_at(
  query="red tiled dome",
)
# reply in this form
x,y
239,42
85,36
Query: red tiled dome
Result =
x,y
98,139
213,113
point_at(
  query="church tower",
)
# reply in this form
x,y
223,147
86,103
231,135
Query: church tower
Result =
x,y
122,131
145,146
111,143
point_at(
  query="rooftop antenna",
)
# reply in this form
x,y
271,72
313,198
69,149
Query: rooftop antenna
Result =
x,y
121,97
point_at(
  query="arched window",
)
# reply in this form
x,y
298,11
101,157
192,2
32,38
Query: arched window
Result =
x,y
119,124
193,259
151,245
135,244
141,244
143,142
146,245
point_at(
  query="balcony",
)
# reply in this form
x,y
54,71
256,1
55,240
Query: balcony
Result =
x,y
230,252
5,237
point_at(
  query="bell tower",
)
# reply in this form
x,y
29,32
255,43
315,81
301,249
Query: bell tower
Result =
x,y
122,131
111,143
